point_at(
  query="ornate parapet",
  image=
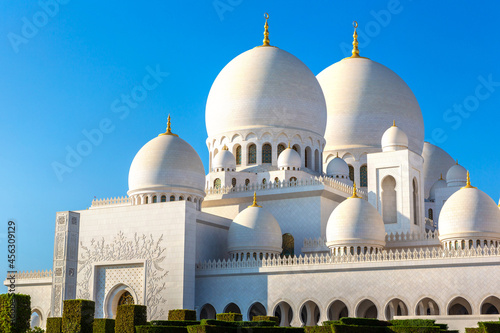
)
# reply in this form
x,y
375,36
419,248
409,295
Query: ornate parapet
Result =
x,y
34,275
108,202
382,256
325,181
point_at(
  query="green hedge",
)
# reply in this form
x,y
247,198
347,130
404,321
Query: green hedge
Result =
x,y
474,330
178,323
363,321
331,322
15,313
229,316
442,326
104,325
210,329
415,329
318,329
413,322
181,314
266,318
490,326
336,328
229,329
78,316
223,323
160,329
54,325
129,316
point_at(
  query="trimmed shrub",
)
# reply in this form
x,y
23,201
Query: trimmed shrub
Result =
x,y
358,329
229,316
160,329
318,329
210,329
413,322
15,313
181,314
129,316
35,329
178,323
490,326
104,325
442,326
221,323
266,318
363,322
54,325
331,322
414,329
78,316
474,330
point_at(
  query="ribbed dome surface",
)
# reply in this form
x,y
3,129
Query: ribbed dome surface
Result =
x,y
289,158
164,163
470,214
254,230
355,222
362,98
265,87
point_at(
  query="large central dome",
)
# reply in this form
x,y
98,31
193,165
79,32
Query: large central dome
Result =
x,y
265,87
363,97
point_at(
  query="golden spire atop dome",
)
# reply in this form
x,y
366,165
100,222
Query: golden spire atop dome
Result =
x,y
266,31
225,148
394,123
354,191
255,201
355,49
288,145
468,185
169,130
337,154
441,177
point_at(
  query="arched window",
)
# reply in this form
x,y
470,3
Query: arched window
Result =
x,y
217,183
281,147
189,199
267,155
416,207
172,198
276,180
233,182
316,160
296,148
147,199
293,179
252,154
431,214
238,155
247,182
389,200
288,245
308,159
351,172
363,176
180,198
163,198
154,199
126,299
264,181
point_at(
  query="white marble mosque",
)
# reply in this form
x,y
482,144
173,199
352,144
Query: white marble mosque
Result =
x,y
322,200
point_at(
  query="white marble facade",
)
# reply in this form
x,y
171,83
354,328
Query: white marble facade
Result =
x,y
167,244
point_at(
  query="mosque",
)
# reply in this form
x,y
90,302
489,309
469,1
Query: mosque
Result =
x,y
322,200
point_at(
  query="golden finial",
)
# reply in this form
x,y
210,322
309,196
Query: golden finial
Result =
x,y
394,123
441,177
288,144
225,148
355,50
255,200
354,191
337,154
266,31
456,163
468,185
169,130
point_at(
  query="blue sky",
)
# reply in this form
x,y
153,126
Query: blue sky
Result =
x,y
64,69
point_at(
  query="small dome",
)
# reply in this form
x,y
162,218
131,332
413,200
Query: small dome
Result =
x,y
355,222
254,230
166,164
436,162
265,87
224,160
440,183
337,167
394,139
469,214
456,176
289,158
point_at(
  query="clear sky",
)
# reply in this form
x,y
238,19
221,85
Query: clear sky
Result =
x,y
64,71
